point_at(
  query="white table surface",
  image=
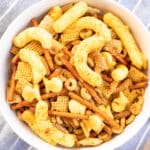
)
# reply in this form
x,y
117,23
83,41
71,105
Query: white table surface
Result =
x,y
9,9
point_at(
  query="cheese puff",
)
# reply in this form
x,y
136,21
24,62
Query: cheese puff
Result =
x,y
137,57
33,33
80,59
92,23
70,16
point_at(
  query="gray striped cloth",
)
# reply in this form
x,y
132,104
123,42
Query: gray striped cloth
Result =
x,y
9,9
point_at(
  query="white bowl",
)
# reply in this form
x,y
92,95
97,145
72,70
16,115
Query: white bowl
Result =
x,y
140,33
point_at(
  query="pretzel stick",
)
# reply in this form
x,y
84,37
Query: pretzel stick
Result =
x,y
64,114
48,59
139,85
123,114
97,98
86,85
15,59
107,130
67,115
55,73
106,78
34,22
91,106
12,85
118,57
50,95
67,52
21,104
71,68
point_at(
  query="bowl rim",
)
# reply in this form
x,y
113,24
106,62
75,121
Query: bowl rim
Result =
x,y
27,139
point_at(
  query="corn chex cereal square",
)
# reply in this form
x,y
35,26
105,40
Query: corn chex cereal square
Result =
x,y
23,71
35,46
61,104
